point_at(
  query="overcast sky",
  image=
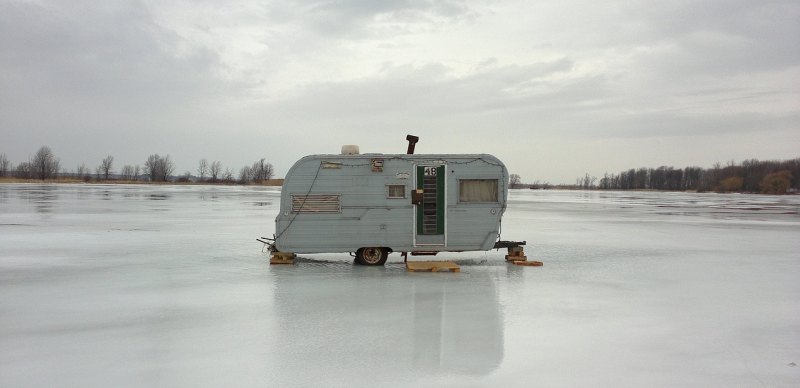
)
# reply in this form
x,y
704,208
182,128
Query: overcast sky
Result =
x,y
555,89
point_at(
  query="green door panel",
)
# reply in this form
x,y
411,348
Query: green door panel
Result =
x,y
430,214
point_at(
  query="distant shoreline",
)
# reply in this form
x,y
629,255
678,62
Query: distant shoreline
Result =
x,y
269,183
279,183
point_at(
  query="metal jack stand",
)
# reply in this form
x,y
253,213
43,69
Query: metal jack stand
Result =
x,y
516,253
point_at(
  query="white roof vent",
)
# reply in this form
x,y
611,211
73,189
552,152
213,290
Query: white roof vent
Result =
x,y
350,149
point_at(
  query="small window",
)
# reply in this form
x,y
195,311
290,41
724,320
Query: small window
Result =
x,y
316,203
397,191
477,190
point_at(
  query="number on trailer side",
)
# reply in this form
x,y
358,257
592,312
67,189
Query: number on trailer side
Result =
x,y
430,171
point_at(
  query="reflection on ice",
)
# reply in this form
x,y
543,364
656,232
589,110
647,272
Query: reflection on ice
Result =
x,y
41,196
158,197
394,325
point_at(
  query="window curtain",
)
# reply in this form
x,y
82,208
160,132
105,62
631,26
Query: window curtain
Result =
x,y
477,190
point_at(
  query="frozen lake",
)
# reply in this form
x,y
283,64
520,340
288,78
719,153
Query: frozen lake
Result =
x,y
165,286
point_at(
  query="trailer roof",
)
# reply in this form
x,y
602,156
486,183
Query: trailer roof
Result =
x,y
406,156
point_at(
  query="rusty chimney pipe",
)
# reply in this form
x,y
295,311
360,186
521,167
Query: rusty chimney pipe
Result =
x,y
412,141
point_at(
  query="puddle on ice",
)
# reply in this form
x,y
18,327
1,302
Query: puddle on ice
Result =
x,y
136,285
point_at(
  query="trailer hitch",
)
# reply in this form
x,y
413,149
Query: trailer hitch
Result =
x,y
268,242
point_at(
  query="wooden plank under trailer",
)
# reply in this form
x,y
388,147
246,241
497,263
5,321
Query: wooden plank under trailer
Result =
x,y
526,263
516,256
432,266
282,258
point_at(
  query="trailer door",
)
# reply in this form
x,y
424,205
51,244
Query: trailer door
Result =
x,y
430,216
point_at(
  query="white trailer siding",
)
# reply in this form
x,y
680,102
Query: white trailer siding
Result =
x,y
368,217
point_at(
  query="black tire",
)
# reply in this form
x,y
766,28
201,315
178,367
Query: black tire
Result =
x,y
372,256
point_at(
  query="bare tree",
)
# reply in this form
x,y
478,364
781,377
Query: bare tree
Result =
x,y
159,168
136,172
245,175
104,168
605,182
5,165
167,167
215,170
202,169
24,171
127,172
228,175
44,164
151,166
269,173
587,182
514,181
777,182
261,171
83,172
539,185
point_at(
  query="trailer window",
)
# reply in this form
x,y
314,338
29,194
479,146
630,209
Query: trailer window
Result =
x,y
316,203
396,191
477,190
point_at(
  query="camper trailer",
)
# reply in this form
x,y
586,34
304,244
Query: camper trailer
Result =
x,y
374,204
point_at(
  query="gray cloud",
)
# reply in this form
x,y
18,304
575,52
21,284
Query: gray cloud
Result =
x,y
119,54
353,18
429,90
565,85
88,73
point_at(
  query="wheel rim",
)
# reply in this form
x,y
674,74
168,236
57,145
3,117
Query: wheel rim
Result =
x,y
372,255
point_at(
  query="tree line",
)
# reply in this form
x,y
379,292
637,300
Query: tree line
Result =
x,y
44,165
751,176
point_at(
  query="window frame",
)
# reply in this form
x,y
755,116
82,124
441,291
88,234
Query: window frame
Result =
x,y
496,183
389,191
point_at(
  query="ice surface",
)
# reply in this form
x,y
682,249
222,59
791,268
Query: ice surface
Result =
x,y
115,286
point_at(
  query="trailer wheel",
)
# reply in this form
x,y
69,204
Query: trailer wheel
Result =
x,y
372,256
